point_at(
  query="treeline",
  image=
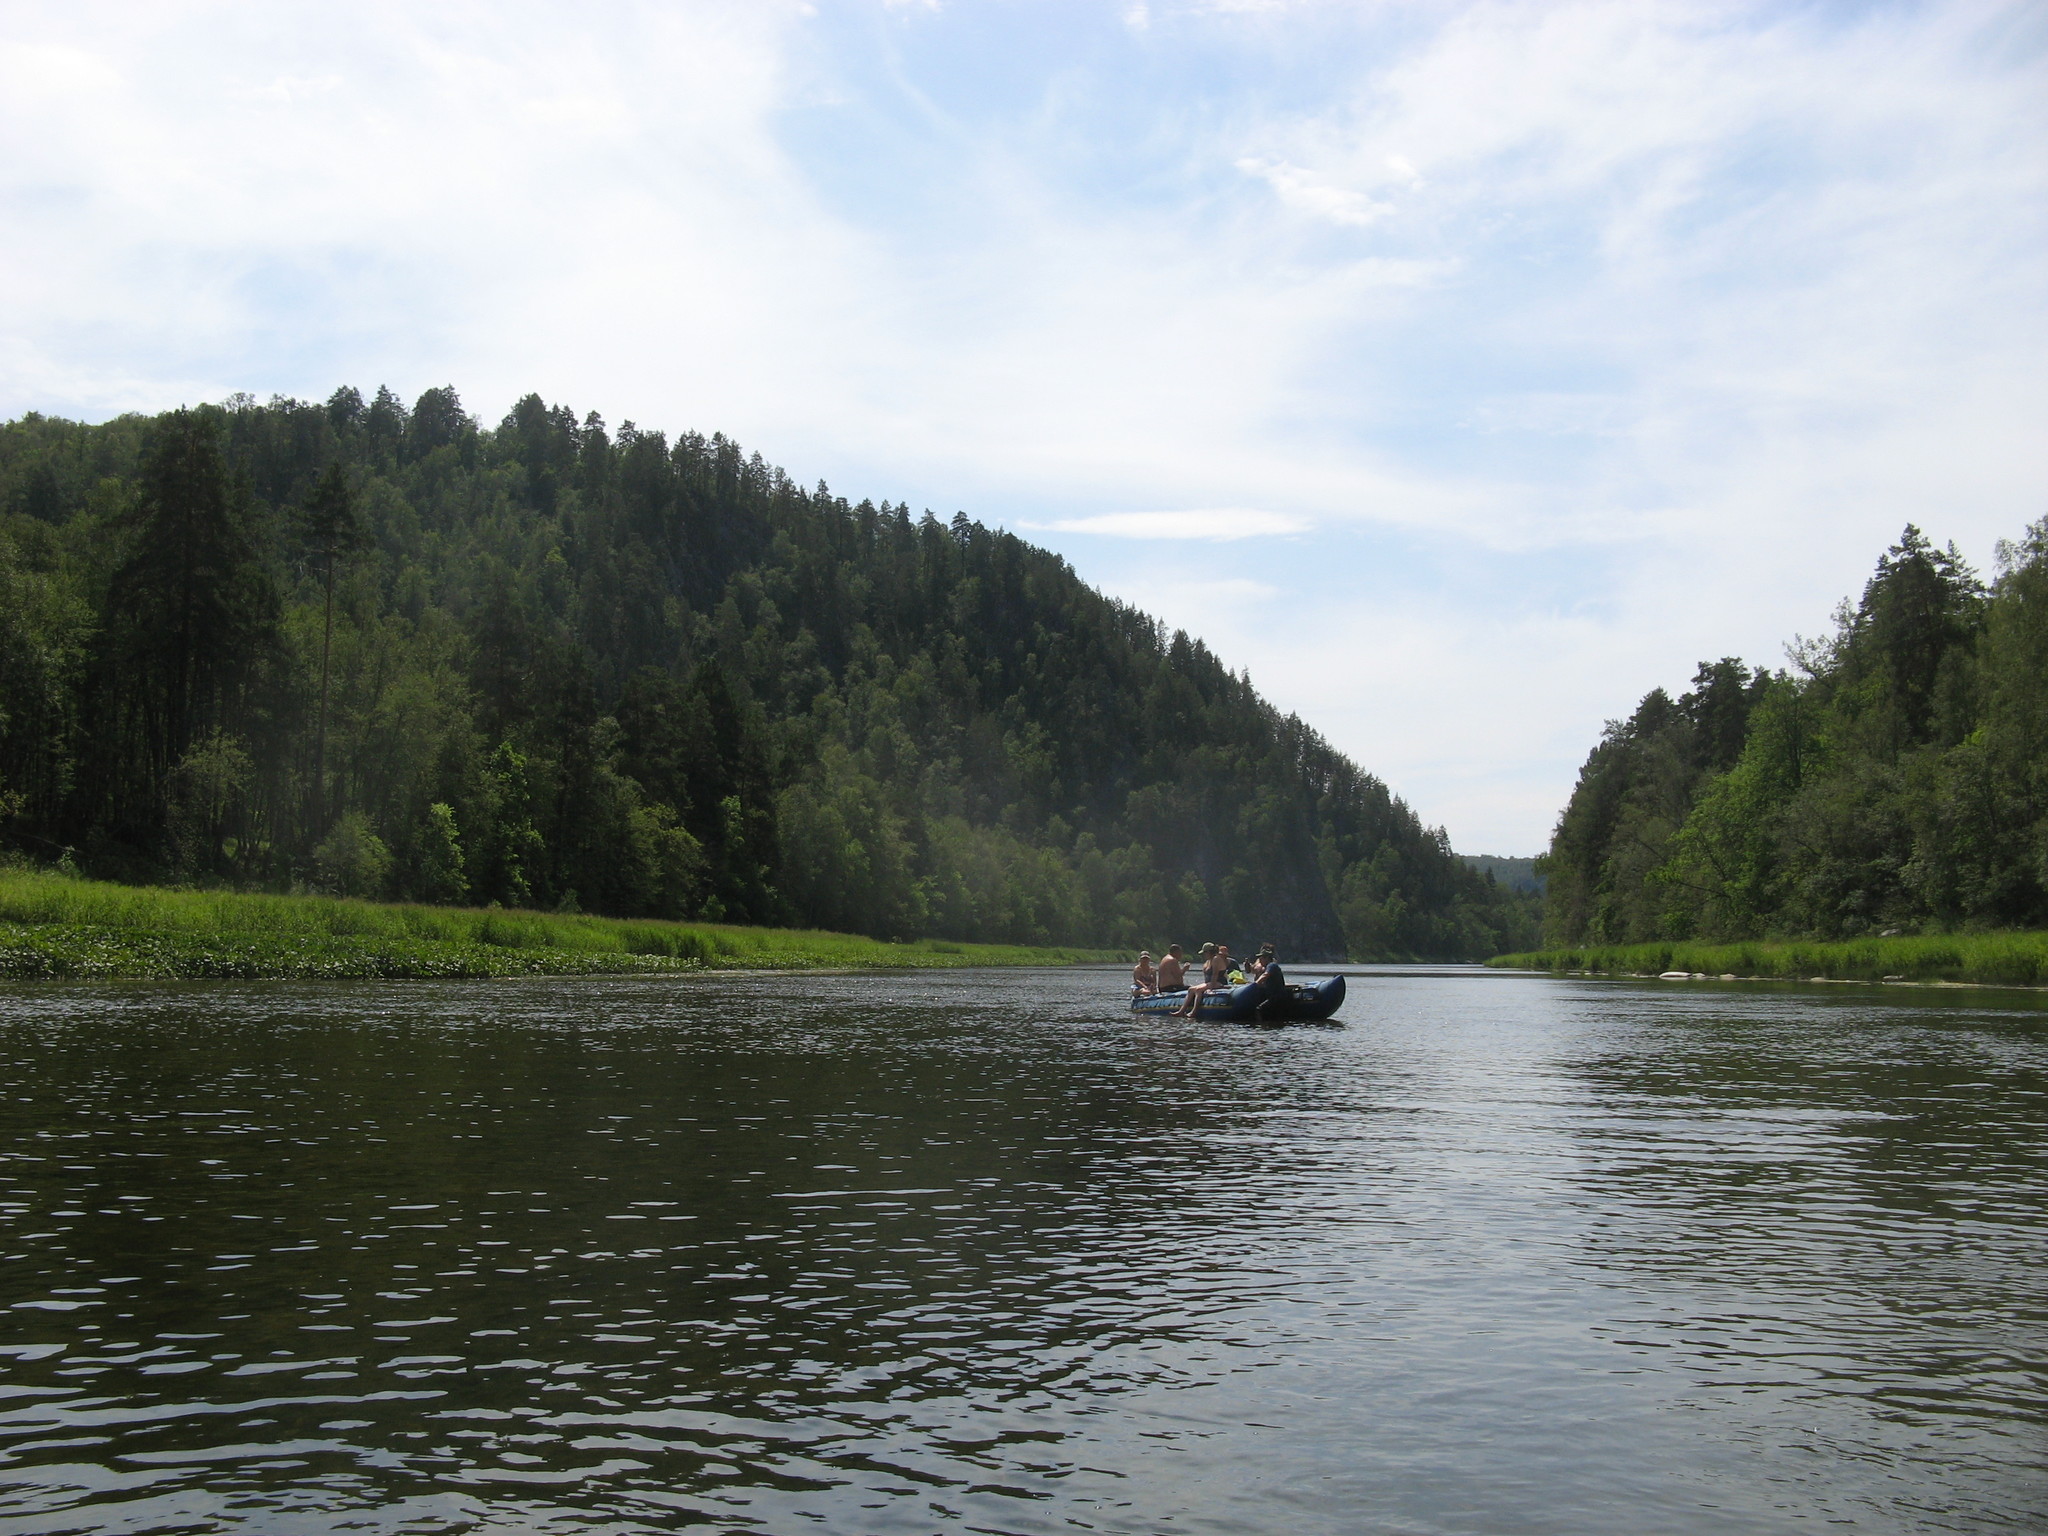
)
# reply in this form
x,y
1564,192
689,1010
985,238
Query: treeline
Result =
x,y
354,647
1895,779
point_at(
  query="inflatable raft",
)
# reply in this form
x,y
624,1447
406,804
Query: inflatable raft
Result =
x,y
1241,1005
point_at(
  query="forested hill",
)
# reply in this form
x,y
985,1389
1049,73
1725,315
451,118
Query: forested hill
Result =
x,y
386,651
1895,780
1516,874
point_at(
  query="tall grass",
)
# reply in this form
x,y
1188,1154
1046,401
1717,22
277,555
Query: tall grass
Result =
x,y
1992,959
54,925
66,951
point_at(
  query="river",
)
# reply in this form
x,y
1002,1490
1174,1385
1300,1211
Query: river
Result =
x,y
973,1252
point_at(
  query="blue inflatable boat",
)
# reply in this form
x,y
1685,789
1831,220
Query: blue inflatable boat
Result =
x,y
1242,1005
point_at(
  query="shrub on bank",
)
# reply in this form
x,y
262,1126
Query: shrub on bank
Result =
x,y
1992,959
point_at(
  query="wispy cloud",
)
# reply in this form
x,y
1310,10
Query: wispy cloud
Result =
x,y
1216,524
1312,194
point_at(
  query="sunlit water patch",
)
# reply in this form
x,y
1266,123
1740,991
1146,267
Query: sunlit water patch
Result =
x,y
976,1252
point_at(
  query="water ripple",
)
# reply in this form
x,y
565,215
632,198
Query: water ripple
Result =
x,y
774,1254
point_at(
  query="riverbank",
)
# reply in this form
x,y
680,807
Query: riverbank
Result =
x,y
52,927
1989,959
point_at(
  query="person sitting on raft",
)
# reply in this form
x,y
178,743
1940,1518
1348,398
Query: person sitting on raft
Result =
x,y
1272,980
1215,978
1173,971
1203,959
1144,979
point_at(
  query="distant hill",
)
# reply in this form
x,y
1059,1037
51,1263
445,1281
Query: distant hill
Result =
x,y
364,648
1515,874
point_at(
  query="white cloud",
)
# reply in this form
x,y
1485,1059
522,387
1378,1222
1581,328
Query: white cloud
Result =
x,y
1311,194
441,197
1221,524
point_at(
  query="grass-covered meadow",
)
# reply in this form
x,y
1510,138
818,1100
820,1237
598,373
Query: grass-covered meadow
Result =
x,y
57,927
1990,959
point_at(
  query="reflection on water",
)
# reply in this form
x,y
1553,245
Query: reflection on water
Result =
x,y
977,1252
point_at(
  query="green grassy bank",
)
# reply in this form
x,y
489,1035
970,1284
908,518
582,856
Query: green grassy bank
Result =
x,y
1992,959
55,927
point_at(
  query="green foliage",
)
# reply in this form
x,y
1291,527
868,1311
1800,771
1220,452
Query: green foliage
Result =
x,y
552,665
1723,873
205,792
1899,782
1634,794
190,612
352,860
46,631
329,522
437,869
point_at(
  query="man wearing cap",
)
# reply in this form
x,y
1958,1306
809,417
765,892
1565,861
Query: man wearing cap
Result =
x,y
1272,982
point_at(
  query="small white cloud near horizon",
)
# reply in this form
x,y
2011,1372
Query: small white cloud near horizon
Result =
x,y
1216,524
1313,194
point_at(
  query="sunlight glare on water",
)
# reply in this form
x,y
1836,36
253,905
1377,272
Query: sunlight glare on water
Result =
x,y
976,1252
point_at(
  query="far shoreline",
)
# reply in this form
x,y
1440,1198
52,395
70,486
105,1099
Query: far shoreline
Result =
x,y
2011,959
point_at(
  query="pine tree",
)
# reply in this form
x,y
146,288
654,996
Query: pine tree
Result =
x,y
332,532
193,609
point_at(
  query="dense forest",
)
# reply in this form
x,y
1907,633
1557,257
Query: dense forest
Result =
x,y
355,647
1517,874
1893,779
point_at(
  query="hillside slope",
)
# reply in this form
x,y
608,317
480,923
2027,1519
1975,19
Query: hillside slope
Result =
x,y
355,647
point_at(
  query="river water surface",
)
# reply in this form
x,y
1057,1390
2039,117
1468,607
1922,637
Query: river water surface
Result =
x,y
974,1252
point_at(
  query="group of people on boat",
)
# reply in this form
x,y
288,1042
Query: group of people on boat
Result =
x,y
1218,973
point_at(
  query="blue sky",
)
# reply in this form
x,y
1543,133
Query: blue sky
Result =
x,y
1462,371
